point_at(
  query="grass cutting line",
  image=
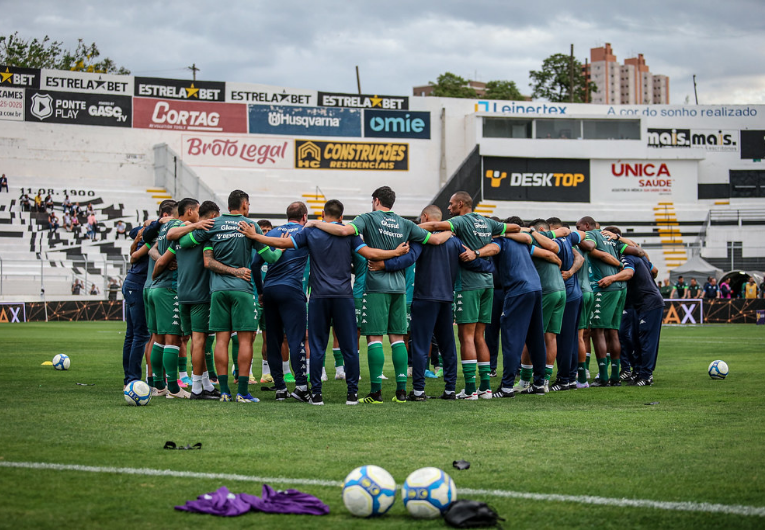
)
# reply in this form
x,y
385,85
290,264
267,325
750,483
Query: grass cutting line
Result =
x,y
730,509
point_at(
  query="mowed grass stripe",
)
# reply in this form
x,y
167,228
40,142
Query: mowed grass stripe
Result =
x,y
704,507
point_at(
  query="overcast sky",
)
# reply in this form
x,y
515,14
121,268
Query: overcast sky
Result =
x,y
401,44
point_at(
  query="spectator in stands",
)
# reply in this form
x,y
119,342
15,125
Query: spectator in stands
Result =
x,y
725,291
121,230
92,228
114,288
67,204
666,289
750,289
38,202
94,290
76,226
90,211
4,183
711,290
67,221
77,210
52,222
49,203
76,287
693,289
26,202
678,291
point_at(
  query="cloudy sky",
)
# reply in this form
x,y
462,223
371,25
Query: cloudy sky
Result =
x,y
400,44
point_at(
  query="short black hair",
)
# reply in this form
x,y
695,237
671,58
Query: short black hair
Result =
x,y
679,277
167,206
554,221
465,198
186,204
495,218
296,210
334,209
236,198
385,195
614,229
540,224
514,219
208,207
263,223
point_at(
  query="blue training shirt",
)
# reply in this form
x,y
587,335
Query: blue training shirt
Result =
x,y
516,270
437,268
642,293
331,261
289,270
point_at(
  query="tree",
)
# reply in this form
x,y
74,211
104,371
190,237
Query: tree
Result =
x,y
46,53
504,90
553,81
450,85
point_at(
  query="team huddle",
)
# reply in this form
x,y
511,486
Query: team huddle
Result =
x,y
540,293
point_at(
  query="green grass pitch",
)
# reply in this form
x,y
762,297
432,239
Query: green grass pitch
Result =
x,y
703,442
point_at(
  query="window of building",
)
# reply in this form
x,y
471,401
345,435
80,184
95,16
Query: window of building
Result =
x,y
506,128
559,129
611,129
745,183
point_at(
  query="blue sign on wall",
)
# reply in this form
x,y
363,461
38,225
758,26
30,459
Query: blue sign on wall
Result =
x,y
304,121
396,124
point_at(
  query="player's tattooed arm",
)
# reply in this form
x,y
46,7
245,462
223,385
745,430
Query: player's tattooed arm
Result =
x,y
605,257
178,232
219,268
578,262
154,252
166,261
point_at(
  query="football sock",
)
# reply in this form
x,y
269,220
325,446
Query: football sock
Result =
x,y
223,381
548,372
210,362
484,371
527,371
244,381
170,362
156,365
400,360
182,366
468,370
418,392
587,362
603,369
338,357
266,368
286,367
235,352
196,383
209,344
615,369
376,360
582,372
206,383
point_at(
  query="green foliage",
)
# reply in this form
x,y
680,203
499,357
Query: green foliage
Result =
x,y
450,85
47,53
553,81
504,90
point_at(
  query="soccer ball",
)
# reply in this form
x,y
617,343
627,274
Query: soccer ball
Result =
x,y
718,370
137,393
428,492
369,491
61,362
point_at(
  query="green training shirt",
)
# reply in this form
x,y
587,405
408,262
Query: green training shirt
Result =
x,y
549,273
193,277
475,231
598,269
584,273
386,231
167,279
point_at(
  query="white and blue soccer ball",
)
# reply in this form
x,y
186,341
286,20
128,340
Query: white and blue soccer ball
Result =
x,y
428,492
718,370
137,393
369,491
61,362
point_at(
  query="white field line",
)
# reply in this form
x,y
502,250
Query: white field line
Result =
x,y
704,507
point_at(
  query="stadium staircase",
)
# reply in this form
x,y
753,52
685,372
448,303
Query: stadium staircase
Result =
x,y
670,236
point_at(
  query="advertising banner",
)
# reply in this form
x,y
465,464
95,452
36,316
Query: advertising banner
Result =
x,y
11,104
688,311
396,124
313,154
298,121
154,87
252,93
752,144
189,115
86,83
644,180
237,151
80,109
363,101
13,76
536,179
12,313
717,140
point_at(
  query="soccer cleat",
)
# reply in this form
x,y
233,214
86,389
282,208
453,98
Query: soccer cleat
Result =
x,y
382,376
582,385
547,386
502,393
533,389
485,394
155,392
587,373
409,372
430,374
252,381
281,395
182,383
644,382
324,374
205,395
289,378
340,376
448,396
439,371
414,397
187,380
303,396
267,378
373,397
246,399
597,383
558,386
400,396
493,373
467,397
181,394
521,385
225,397
316,399
614,382
625,375
352,398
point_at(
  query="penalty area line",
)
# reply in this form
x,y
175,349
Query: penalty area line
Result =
x,y
703,507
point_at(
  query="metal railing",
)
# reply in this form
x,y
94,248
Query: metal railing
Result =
x,y
176,177
737,216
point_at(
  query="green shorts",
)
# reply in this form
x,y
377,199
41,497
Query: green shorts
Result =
x,y
232,311
588,300
195,318
383,314
553,305
166,311
607,309
358,303
260,316
408,318
151,321
471,307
